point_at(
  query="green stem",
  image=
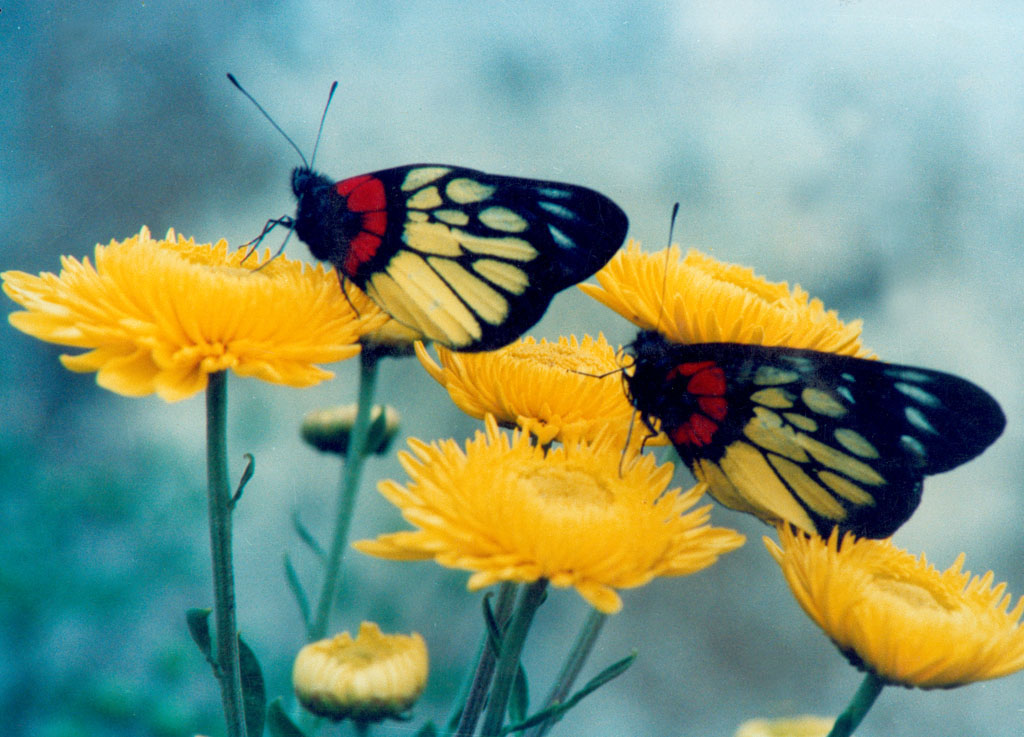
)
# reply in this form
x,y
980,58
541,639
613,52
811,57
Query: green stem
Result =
x,y
473,703
219,495
354,458
508,661
581,650
858,707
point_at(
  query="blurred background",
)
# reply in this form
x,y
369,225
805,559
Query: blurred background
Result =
x,y
871,151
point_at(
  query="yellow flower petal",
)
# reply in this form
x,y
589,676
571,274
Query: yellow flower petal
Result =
x,y
366,679
698,299
900,617
509,511
548,389
802,726
159,316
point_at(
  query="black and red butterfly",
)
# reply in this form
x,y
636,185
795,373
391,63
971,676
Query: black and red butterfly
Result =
x,y
467,259
464,258
815,439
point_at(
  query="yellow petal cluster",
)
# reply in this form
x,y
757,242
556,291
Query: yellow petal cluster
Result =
x,y
802,726
567,390
698,299
509,511
159,316
366,679
898,616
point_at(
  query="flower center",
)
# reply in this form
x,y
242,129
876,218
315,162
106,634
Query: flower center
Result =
x,y
910,593
565,486
553,355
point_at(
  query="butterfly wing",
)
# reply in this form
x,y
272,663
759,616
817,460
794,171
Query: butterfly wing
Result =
x,y
468,259
816,439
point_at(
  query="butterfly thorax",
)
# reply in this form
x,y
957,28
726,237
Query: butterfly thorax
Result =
x,y
323,220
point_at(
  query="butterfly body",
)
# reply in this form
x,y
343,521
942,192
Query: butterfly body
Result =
x,y
468,259
817,439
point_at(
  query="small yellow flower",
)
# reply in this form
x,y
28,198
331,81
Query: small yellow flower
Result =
x,y
802,726
329,429
701,300
548,389
366,679
161,315
510,511
898,616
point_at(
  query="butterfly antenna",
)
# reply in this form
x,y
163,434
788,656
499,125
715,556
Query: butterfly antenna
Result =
x,y
664,277
323,119
231,78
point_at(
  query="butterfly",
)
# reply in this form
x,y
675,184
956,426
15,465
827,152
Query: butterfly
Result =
x,y
815,439
465,258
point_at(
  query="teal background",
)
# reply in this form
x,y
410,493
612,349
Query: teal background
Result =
x,y
871,151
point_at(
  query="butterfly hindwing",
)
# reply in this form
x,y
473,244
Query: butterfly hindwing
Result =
x,y
468,259
817,439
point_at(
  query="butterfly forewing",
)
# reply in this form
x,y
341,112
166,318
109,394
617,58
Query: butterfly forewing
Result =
x,y
468,259
816,439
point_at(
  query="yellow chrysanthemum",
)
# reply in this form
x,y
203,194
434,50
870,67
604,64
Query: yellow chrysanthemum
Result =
x,y
548,389
366,679
161,315
898,616
802,726
511,512
698,299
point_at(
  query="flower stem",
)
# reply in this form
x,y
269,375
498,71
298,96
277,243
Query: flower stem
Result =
x,y
476,697
581,649
354,457
858,707
508,660
219,496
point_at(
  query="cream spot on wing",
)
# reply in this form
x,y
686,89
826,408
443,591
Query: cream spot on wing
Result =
x,y
509,248
487,303
433,238
416,178
510,278
770,375
855,443
463,190
426,199
503,219
452,217
813,494
774,397
822,402
429,293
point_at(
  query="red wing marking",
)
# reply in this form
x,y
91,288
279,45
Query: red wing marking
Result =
x,y
715,407
375,222
362,248
345,186
698,430
367,196
709,381
688,369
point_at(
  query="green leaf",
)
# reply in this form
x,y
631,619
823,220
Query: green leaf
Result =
x,y
247,474
199,627
297,591
494,636
427,730
519,699
556,711
307,537
279,723
254,692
